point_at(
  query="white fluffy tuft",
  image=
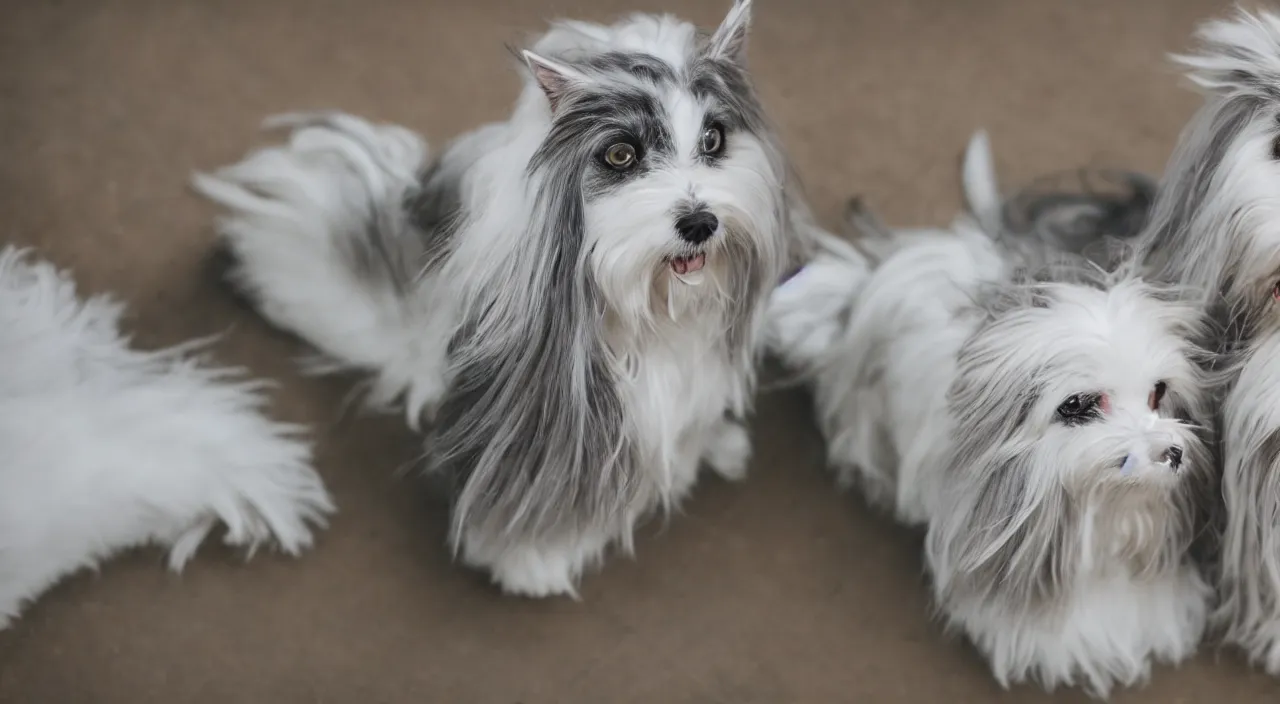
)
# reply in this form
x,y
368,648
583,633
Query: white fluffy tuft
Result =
x,y
107,447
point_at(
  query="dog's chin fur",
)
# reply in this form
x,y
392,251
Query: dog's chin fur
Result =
x,y
1216,229
520,296
938,360
107,447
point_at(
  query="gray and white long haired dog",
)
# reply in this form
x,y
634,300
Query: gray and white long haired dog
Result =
x,y
1038,413
1216,229
573,297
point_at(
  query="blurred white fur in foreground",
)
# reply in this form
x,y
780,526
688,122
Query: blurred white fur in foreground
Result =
x,y
105,447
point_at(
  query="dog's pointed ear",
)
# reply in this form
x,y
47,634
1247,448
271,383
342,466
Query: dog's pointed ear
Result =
x,y
730,40
554,79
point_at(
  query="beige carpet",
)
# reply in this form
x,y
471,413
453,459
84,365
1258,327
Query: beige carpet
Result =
x,y
777,591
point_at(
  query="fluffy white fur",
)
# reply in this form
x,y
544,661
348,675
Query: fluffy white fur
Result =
x,y
1216,230
950,368
104,447
578,356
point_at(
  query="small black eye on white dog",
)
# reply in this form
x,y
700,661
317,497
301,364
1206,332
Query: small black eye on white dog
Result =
x,y
1081,408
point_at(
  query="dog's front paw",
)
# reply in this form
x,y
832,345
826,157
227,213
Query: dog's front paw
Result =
x,y
532,573
729,452
1261,644
1268,656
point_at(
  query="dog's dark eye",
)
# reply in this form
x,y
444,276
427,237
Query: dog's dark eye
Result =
x,y
620,156
1275,291
713,140
1078,409
1157,394
1072,406
1275,148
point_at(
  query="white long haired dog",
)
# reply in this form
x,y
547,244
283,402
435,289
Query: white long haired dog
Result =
x,y
1041,427
572,297
104,447
1216,229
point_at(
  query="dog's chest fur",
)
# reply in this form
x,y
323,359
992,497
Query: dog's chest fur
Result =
x,y
678,383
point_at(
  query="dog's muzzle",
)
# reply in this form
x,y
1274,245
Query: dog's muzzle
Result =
x,y
1172,456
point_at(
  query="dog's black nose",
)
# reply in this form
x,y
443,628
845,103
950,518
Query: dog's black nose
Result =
x,y
697,227
1174,455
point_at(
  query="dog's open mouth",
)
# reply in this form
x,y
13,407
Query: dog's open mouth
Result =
x,y
688,270
688,265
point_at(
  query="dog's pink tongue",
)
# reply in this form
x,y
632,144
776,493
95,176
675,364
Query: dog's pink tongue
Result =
x,y
686,265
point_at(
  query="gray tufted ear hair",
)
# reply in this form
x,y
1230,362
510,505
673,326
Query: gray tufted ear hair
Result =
x,y
730,39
